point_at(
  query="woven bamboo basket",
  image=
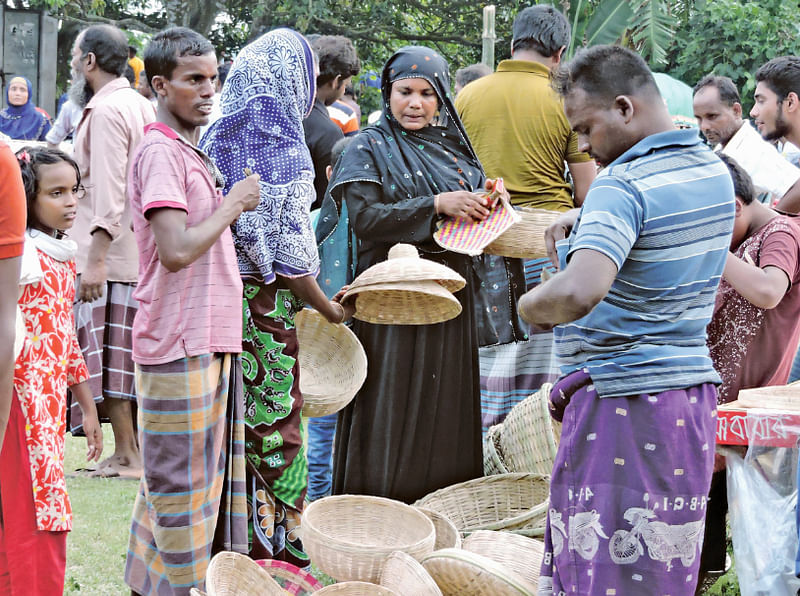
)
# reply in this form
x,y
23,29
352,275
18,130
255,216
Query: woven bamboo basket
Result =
x,y
447,535
355,589
527,441
349,537
525,239
232,574
291,578
493,461
403,574
404,264
514,502
404,303
520,554
463,573
780,397
333,364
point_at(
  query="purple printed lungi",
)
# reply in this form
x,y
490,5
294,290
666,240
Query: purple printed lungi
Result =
x,y
629,490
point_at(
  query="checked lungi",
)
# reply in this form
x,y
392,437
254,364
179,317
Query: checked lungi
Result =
x,y
629,490
510,372
192,501
104,329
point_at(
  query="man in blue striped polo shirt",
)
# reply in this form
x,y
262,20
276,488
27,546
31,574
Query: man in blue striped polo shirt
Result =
x,y
635,291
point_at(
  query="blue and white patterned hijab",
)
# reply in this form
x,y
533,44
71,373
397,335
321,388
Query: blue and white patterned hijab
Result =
x,y
268,92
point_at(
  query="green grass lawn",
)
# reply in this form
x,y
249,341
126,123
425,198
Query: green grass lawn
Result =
x,y
101,509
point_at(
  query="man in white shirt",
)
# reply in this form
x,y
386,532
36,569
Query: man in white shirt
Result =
x,y
718,110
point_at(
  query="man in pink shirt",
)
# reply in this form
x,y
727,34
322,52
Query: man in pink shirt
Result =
x,y
187,334
112,124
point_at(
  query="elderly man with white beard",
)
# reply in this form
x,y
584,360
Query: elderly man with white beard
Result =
x,y
110,129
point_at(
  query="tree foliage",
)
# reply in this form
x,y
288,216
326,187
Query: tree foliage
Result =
x,y
687,38
733,38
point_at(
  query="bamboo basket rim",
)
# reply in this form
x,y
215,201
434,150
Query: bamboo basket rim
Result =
x,y
521,554
403,573
234,574
528,439
332,361
465,563
404,303
493,460
532,517
774,397
405,265
437,517
356,588
336,536
524,239
292,573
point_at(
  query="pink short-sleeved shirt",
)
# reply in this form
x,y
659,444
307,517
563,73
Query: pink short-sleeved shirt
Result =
x,y
197,310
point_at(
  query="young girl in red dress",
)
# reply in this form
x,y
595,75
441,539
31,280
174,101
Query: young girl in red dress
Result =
x,y
35,513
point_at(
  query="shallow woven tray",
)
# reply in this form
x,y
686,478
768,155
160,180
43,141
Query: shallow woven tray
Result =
x,y
447,535
520,554
404,303
403,574
780,397
292,579
405,264
525,239
232,574
349,537
527,441
355,589
493,461
514,502
462,573
333,364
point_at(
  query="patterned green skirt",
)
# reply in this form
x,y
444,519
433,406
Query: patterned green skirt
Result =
x,y
274,430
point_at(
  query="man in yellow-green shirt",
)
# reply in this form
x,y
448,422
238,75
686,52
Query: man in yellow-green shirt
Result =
x,y
516,122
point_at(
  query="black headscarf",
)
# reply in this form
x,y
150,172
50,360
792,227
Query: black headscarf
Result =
x,y
435,159
407,164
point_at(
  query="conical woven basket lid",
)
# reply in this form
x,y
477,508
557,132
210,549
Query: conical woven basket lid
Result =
x,y
405,264
404,303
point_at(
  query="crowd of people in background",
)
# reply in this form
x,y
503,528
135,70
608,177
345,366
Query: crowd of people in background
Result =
x,y
152,279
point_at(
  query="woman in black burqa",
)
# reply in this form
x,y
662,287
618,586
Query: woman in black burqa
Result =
x,y
415,425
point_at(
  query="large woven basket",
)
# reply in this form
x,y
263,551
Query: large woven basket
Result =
x,y
518,553
292,579
514,502
493,461
333,364
528,441
232,574
403,574
349,537
355,589
525,239
447,535
460,572
404,303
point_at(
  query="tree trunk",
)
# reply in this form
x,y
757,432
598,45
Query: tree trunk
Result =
x,y
197,15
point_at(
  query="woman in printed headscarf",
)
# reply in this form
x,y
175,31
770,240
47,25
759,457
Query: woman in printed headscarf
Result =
x,y
21,120
268,92
415,425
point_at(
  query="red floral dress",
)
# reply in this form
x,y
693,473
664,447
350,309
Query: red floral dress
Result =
x,y
50,361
